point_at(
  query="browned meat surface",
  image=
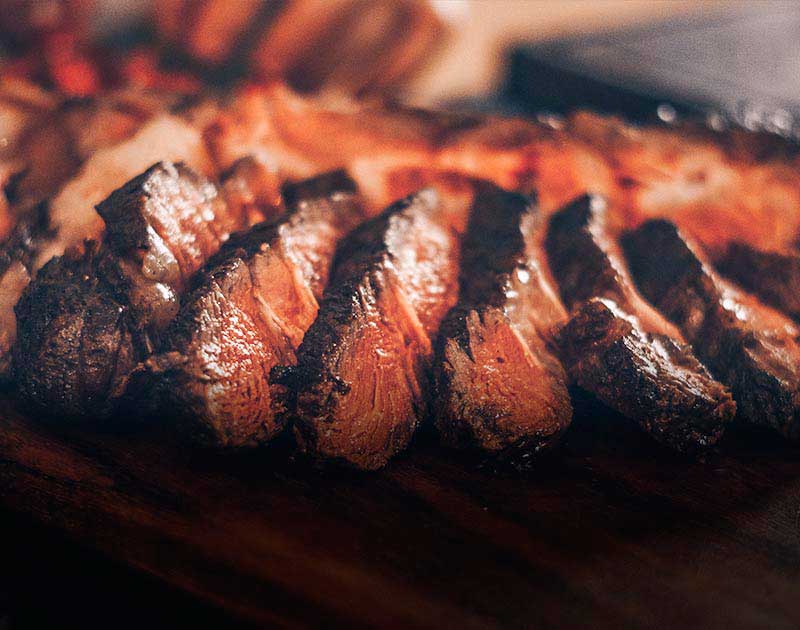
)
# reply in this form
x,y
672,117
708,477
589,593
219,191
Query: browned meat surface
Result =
x,y
772,276
77,130
689,175
620,349
92,316
253,190
73,218
498,388
394,152
747,346
249,312
46,138
358,386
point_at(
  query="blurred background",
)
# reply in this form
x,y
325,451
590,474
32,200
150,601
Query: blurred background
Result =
x,y
739,58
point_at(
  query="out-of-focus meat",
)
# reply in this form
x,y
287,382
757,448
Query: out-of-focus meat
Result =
x,y
687,175
358,387
51,150
216,29
772,276
48,153
393,152
746,345
619,348
348,46
498,387
253,189
72,213
16,256
249,312
86,320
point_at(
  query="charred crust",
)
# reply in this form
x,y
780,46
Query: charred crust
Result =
x,y
759,364
773,276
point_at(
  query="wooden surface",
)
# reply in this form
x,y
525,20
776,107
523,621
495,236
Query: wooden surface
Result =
x,y
612,531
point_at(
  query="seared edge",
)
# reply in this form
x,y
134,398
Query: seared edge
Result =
x,y
161,226
497,386
746,345
248,312
358,388
620,349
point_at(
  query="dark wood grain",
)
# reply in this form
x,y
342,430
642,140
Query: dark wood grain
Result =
x,y
611,531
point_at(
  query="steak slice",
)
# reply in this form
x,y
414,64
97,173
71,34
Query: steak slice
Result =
x,y
498,388
357,389
93,315
772,276
747,345
619,348
248,313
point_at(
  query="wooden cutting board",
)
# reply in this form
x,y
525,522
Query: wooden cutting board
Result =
x,y
612,532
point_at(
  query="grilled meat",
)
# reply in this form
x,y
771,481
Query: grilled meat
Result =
x,y
253,189
687,174
394,152
772,276
86,319
357,392
746,345
620,349
72,215
498,387
249,312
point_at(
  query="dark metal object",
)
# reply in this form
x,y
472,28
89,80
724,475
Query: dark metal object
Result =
x,y
734,67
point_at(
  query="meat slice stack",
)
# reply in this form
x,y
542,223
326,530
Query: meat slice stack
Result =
x,y
747,345
88,318
618,347
248,313
498,387
357,392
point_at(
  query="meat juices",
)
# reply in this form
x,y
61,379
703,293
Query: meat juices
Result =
x,y
498,388
358,387
248,313
747,346
620,349
87,318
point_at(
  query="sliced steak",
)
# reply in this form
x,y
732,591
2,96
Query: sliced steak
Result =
x,y
498,388
747,346
94,314
772,276
248,313
358,388
619,348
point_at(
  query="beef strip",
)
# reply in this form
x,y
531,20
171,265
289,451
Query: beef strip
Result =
x,y
619,348
747,346
498,388
92,315
251,307
773,276
358,388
